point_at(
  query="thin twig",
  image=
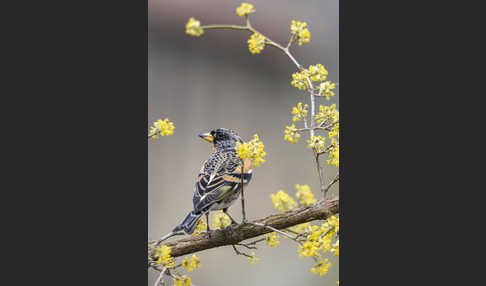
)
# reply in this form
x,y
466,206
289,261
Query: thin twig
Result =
x,y
335,180
308,129
320,171
255,241
239,252
242,194
232,27
291,40
246,245
160,276
278,231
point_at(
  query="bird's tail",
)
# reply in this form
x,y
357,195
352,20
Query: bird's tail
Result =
x,y
189,223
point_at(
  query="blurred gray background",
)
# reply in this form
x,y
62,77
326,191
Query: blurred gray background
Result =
x,y
202,83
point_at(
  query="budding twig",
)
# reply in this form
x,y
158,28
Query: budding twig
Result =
x,y
279,231
239,252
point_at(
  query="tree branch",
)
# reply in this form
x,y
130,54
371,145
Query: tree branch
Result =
x,y
235,234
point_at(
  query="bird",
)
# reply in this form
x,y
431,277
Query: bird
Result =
x,y
218,184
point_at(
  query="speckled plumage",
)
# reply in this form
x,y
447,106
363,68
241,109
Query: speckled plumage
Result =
x,y
218,183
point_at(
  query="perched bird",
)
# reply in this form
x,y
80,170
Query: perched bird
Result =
x,y
218,184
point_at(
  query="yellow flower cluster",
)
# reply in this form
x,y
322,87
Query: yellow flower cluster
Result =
x,y
302,33
332,222
201,225
191,263
317,73
272,239
327,113
308,249
321,267
182,281
318,241
304,195
221,220
253,259
334,153
314,73
282,201
252,150
256,43
245,9
162,128
299,80
299,112
334,132
326,89
193,27
164,258
317,143
291,134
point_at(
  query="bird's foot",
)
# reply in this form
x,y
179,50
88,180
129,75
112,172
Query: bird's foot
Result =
x,y
208,234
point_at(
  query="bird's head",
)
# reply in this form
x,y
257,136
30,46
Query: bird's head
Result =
x,y
221,136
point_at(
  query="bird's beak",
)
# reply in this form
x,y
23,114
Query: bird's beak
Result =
x,y
207,136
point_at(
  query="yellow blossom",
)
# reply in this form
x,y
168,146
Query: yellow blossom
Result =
x,y
317,73
201,225
318,242
334,153
221,220
252,150
299,112
308,249
299,80
182,281
191,263
314,73
326,89
272,239
334,132
333,221
162,128
256,43
317,143
301,32
282,201
253,259
327,113
164,258
245,9
304,195
321,267
193,27
291,134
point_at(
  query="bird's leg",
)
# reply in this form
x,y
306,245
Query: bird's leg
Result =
x,y
232,220
242,195
207,223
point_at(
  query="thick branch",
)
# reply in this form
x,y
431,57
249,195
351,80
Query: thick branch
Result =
x,y
234,235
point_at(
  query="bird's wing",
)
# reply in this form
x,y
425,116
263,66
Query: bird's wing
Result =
x,y
216,179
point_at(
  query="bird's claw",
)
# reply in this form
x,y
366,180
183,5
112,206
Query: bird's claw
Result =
x,y
208,233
